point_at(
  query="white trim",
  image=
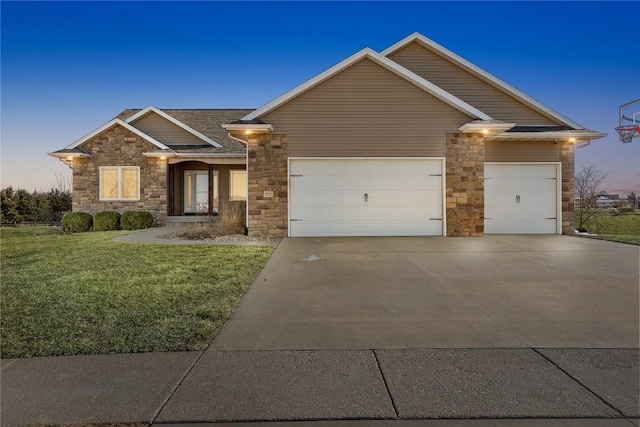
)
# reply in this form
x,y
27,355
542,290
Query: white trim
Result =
x,y
557,135
443,167
231,173
159,154
119,197
194,155
558,185
256,127
111,124
173,120
384,62
484,75
486,128
66,156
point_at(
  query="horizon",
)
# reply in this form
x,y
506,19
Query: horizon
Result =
x,y
58,86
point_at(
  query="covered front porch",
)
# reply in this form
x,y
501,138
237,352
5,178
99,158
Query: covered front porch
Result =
x,y
202,187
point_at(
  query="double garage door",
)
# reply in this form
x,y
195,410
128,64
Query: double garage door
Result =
x,y
404,197
365,197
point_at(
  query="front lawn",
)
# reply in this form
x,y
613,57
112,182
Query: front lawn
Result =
x,y
85,294
616,227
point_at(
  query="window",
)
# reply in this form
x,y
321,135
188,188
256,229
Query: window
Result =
x,y
119,183
238,179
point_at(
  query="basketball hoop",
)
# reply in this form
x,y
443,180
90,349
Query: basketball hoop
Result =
x,y
627,132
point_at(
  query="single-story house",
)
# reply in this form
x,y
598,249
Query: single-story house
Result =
x,y
410,141
608,200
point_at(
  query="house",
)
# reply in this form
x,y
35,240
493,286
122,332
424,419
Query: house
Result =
x,y
608,200
410,141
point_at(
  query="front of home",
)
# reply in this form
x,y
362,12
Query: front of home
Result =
x,y
411,141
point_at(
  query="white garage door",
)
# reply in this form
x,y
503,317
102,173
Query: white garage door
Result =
x,y
521,199
365,197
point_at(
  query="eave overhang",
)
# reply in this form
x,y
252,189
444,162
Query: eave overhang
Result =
x,y
488,128
569,135
248,128
68,156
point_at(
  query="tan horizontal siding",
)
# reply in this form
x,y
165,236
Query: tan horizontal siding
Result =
x,y
521,151
366,110
464,85
166,132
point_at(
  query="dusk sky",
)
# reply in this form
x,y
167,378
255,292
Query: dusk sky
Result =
x,y
69,67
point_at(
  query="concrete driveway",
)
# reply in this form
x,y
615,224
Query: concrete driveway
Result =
x,y
490,292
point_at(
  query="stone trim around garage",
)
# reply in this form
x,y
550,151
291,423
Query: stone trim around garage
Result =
x,y
567,157
464,155
120,147
267,198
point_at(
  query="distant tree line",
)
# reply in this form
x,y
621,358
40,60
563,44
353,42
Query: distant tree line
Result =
x,y
17,206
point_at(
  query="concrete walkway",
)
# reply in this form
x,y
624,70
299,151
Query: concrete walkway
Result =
x,y
498,331
153,236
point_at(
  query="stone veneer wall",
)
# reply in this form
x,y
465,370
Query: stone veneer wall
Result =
x,y
120,147
267,171
465,184
567,157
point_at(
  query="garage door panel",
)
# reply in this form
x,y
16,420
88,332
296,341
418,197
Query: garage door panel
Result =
x,y
327,197
521,199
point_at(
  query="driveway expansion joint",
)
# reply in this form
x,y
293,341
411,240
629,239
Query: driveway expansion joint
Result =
x,y
564,371
173,390
386,385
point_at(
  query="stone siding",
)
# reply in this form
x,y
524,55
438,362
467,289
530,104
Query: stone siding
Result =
x,y
267,171
465,185
120,147
567,157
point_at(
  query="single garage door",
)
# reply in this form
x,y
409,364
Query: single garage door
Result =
x,y
365,197
521,198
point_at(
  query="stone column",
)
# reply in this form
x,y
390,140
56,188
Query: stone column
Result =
x,y
267,199
465,184
567,157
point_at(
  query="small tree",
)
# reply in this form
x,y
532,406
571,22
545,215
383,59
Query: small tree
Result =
x,y
587,182
633,199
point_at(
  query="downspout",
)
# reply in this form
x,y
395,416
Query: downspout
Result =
x,y
246,165
582,144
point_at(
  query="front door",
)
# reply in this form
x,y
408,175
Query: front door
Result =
x,y
196,192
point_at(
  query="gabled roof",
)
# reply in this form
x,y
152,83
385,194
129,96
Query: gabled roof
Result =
x,y
397,69
151,109
117,122
207,122
482,74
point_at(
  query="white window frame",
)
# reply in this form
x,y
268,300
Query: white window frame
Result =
x,y
232,172
119,196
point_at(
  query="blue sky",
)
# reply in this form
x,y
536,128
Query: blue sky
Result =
x,y
69,67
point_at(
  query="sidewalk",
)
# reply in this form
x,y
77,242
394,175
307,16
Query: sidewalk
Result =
x,y
152,235
568,386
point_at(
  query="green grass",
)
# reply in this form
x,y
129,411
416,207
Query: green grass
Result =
x,y
85,294
616,227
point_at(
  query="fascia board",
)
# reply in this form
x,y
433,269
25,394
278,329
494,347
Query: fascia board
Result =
x,y
380,60
173,120
239,126
578,134
518,94
111,124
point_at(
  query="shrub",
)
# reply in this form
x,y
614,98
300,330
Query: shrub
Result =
x,y
105,221
136,220
77,222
